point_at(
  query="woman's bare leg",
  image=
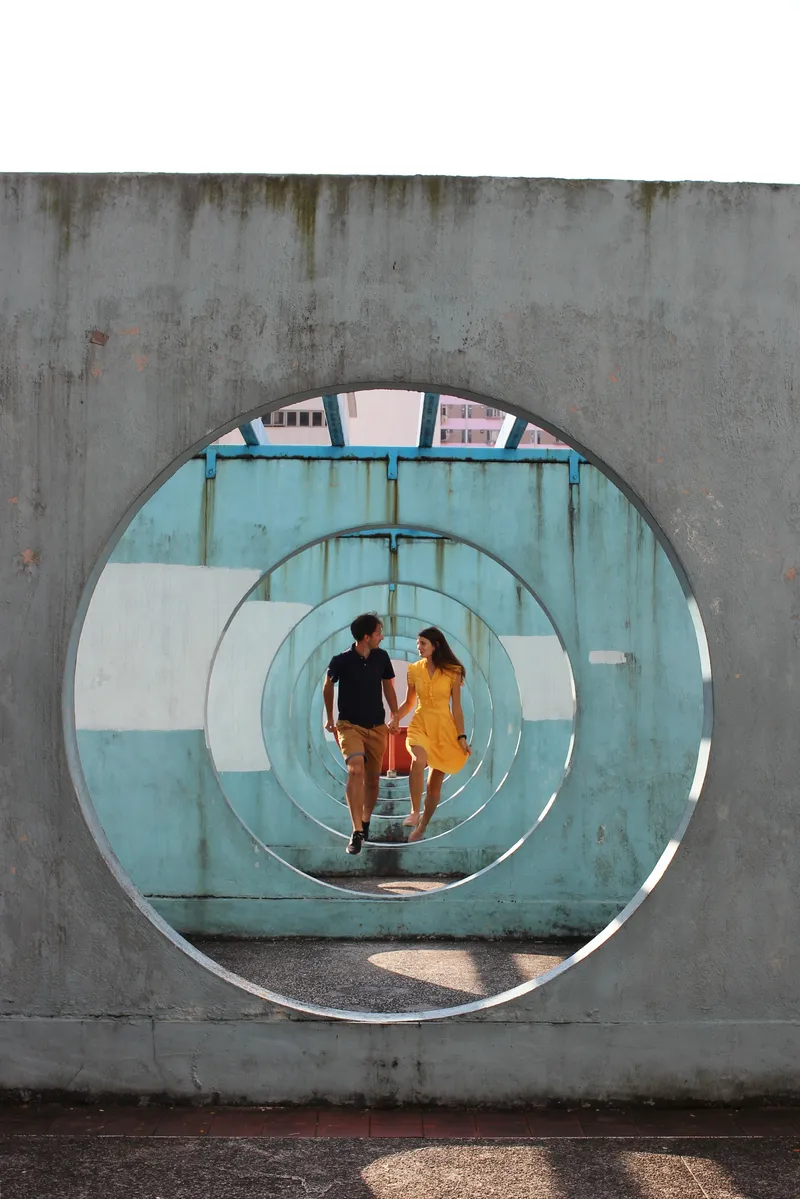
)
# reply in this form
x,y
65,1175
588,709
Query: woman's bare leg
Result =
x,y
434,794
416,782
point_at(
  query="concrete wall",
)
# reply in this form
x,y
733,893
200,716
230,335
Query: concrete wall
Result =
x,y
657,327
155,638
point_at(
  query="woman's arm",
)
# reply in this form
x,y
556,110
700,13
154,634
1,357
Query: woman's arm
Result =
x,y
458,714
455,703
408,703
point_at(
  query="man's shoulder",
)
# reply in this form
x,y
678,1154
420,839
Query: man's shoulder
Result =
x,y
340,659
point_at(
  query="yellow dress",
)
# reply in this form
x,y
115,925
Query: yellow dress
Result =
x,y
432,726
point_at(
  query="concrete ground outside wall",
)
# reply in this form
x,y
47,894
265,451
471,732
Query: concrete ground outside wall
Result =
x,y
55,1153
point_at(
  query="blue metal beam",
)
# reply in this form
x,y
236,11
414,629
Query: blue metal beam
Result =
x,y
398,532
253,432
333,415
428,412
575,461
511,431
407,453
394,454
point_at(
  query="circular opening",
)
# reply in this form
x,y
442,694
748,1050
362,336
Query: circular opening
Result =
x,y
295,770
153,616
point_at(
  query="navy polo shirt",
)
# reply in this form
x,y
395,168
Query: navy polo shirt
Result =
x,y
360,690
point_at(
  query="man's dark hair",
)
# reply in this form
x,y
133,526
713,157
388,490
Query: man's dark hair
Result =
x,y
365,625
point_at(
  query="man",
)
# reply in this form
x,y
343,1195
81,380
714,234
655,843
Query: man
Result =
x,y
363,672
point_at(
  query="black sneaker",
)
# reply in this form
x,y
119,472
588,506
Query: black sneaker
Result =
x,y
365,826
355,842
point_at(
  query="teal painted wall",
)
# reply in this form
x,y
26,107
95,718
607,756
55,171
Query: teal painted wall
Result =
x,y
220,849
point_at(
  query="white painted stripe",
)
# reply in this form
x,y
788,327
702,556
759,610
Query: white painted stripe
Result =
x,y
147,644
608,657
543,677
237,682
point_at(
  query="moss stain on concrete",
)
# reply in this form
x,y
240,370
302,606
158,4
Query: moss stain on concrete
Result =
x,y
649,192
300,195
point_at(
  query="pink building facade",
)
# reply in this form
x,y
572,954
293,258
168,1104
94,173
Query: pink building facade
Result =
x,y
389,417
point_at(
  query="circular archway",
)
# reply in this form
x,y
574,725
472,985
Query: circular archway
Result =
x,y
521,558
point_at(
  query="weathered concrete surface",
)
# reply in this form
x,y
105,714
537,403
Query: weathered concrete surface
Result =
x,y
656,326
206,1168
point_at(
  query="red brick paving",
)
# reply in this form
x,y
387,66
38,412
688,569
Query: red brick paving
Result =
x,y
28,1118
128,1121
78,1122
400,1123
184,1122
683,1122
608,1123
554,1124
433,1123
766,1121
237,1122
442,1124
340,1122
501,1124
290,1122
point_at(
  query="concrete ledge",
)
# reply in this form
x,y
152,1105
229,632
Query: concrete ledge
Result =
x,y
489,917
308,1061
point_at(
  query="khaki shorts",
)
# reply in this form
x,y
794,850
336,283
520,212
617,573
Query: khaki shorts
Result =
x,y
370,743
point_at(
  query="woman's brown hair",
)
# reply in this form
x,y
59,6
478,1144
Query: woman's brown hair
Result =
x,y
442,655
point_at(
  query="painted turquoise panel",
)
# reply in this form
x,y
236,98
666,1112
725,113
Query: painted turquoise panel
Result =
x,y
172,525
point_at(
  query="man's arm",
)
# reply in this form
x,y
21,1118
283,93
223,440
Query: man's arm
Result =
x,y
327,697
391,699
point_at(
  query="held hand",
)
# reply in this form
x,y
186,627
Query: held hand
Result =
x,y
394,724
330,725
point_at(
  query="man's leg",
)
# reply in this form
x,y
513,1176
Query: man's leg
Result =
x,y
416,782
351,743
355,801
375,745
372,784
432,798
354,792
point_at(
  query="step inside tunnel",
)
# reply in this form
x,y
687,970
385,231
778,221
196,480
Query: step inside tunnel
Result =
x,y
199,718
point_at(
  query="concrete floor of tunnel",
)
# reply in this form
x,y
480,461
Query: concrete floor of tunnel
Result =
x,y
402,974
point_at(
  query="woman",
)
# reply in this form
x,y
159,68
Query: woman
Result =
x,y
435,737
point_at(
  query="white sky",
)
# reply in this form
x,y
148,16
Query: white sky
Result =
x,y
623,89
